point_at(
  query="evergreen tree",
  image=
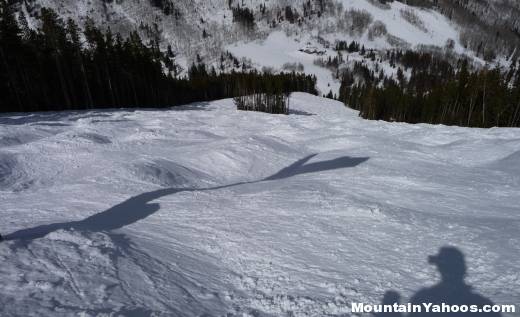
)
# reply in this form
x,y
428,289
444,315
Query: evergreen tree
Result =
x,y
435,92
50,69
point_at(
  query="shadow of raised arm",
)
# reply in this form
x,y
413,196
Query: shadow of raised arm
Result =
x,y
300,167
140,207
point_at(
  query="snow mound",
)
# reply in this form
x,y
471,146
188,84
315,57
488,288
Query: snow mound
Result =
x,y
167,174
12,174
17,139
94,138
60,264
509,164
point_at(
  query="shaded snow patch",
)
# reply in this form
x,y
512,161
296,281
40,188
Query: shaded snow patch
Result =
x,y
12,174
167,174
94,138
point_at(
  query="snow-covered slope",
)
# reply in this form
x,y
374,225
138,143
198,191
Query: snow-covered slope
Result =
x,y
403,27
206,29
206,211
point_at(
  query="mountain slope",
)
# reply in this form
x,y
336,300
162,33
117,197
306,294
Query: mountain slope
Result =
x,y
302,35
142,213
182,23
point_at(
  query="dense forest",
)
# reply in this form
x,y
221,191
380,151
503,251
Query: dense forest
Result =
x,y
430,89
52,69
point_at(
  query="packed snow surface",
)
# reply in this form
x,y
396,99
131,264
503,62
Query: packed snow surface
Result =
x,y
203,210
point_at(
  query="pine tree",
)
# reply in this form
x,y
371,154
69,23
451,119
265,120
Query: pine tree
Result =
x,y
10,43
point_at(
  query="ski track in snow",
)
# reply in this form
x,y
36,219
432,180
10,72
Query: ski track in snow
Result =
x,y
206,211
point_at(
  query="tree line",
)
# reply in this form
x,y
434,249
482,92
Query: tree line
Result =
x,y
428,89
264,102
59,66
272,96
243,15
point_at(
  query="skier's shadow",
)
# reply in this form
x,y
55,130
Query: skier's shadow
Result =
x,y
451,290
140,206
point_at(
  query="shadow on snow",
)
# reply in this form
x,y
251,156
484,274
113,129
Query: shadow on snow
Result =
x,y
450,261
452,290
140,207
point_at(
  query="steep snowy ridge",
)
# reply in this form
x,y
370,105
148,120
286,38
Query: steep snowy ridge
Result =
x,y
143,213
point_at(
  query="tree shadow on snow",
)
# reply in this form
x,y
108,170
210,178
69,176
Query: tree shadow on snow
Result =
x,y
196,106
51,118
301,113
141,206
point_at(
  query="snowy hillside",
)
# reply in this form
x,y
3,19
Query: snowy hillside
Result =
x,y
206,211
395,25
296,32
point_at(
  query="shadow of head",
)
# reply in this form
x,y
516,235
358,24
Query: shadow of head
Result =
x,y
451,264
451,290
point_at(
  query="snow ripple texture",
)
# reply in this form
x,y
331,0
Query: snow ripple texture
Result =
x,y
202,210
